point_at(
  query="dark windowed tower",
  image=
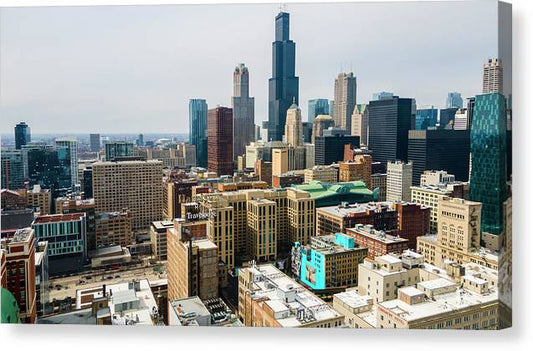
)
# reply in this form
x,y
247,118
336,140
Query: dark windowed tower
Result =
x,y
22,135
283,86
198,128
220,141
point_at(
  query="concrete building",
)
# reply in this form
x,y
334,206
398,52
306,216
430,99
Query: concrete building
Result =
x,y
280,161
492,76
378,242
358,169
328,261
326,174
360,123
320,124
220,141
262,229
379,181
19,273
399,181
287,179
269,298
430,177
293,126
39,199
264,171
135,185
192,267
413,221
345,94
113,228
69,205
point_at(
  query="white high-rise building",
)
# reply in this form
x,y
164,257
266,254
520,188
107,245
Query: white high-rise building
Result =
x,y
493,76
399,180
345,100
293,126
243,111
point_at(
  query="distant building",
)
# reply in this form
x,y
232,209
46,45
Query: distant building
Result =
x,y
94,142
426,118
158,238
454,100
345,94
360,123
316,107
461,119
118,149
326,174
286,180
198,129
492,76
399,181
320,124
330,148
14,169
447,118
50,167
22,135
243,110
358,169
293,126
413,221
69,205
40,200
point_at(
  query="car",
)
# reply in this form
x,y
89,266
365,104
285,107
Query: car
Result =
x,y
117,276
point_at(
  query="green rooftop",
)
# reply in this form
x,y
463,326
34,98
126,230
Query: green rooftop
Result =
x,y
10,309
329,194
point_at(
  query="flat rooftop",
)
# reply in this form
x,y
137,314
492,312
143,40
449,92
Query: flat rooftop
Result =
x,y
58,218
354,209
353,299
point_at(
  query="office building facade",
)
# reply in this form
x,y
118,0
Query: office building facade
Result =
x,y
220,141
243,110
345,94
198,129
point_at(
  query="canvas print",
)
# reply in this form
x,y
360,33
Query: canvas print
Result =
x,y
319,165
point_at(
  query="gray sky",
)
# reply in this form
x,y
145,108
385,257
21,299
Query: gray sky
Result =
x,y
133,69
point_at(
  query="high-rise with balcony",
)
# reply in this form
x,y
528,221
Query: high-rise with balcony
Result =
x,y
345,93
492,76
283,86
220,141
243,111
198,129
489,160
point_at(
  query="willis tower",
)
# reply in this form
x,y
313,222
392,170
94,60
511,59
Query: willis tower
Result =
x,y
283,86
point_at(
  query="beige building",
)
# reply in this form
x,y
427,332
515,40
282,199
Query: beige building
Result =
x,y
345,92
39,199
293,126
262,229
320,124
459,236
379,180
280,161
358,169
360,123
326,174
158,239
113,228
269,298
399,181
191,271
436,177
131,185
492,76
429,196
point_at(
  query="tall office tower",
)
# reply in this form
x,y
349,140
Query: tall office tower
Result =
x,y
257,133
12,169
360,123
198,129
470,103
461,119
345,99
330,148
243,111
382,96
492,76
307,130
426,118
49,167
317,107
140,140
20,272
220,141
118,150
283,86
446,118
489,160
331,108
399,181
67,240
71,144
454,100
262,229
280,161
192,266
22,135
320,124
94,141
293,127
135,185
389,122
439,149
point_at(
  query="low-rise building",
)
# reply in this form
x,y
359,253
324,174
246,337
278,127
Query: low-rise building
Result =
x,y
113,228
326,174
378,242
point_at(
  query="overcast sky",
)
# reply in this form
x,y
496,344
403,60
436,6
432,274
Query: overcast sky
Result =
x,y
133,69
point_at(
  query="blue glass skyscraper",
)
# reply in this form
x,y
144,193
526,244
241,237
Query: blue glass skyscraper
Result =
x,y
283,86
426,118
489,160
22,135
317,107
198,129
454,100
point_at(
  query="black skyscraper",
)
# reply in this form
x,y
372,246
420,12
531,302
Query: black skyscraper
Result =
x,y
330,148
22,135
283,86
389,121
441,149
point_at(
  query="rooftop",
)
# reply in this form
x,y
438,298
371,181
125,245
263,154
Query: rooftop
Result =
x,y
58,218
378,235
347,210
353,299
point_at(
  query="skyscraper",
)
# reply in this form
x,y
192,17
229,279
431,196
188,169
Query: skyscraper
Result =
x,y
317,107
330,148
447,117
94,140
399,181
119,150
243,111
49,167
493,76
293,126
283,86
489,160
360,123
198,129
454,100
12,169
71,144
426,118
345,100
22,135
389,122
220,141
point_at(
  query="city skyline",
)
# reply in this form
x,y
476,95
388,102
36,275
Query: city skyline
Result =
x,y
85,87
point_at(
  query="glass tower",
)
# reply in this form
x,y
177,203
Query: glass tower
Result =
x,y
317,107
454,100
489,160
198,129
22,135
283,86
426,118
